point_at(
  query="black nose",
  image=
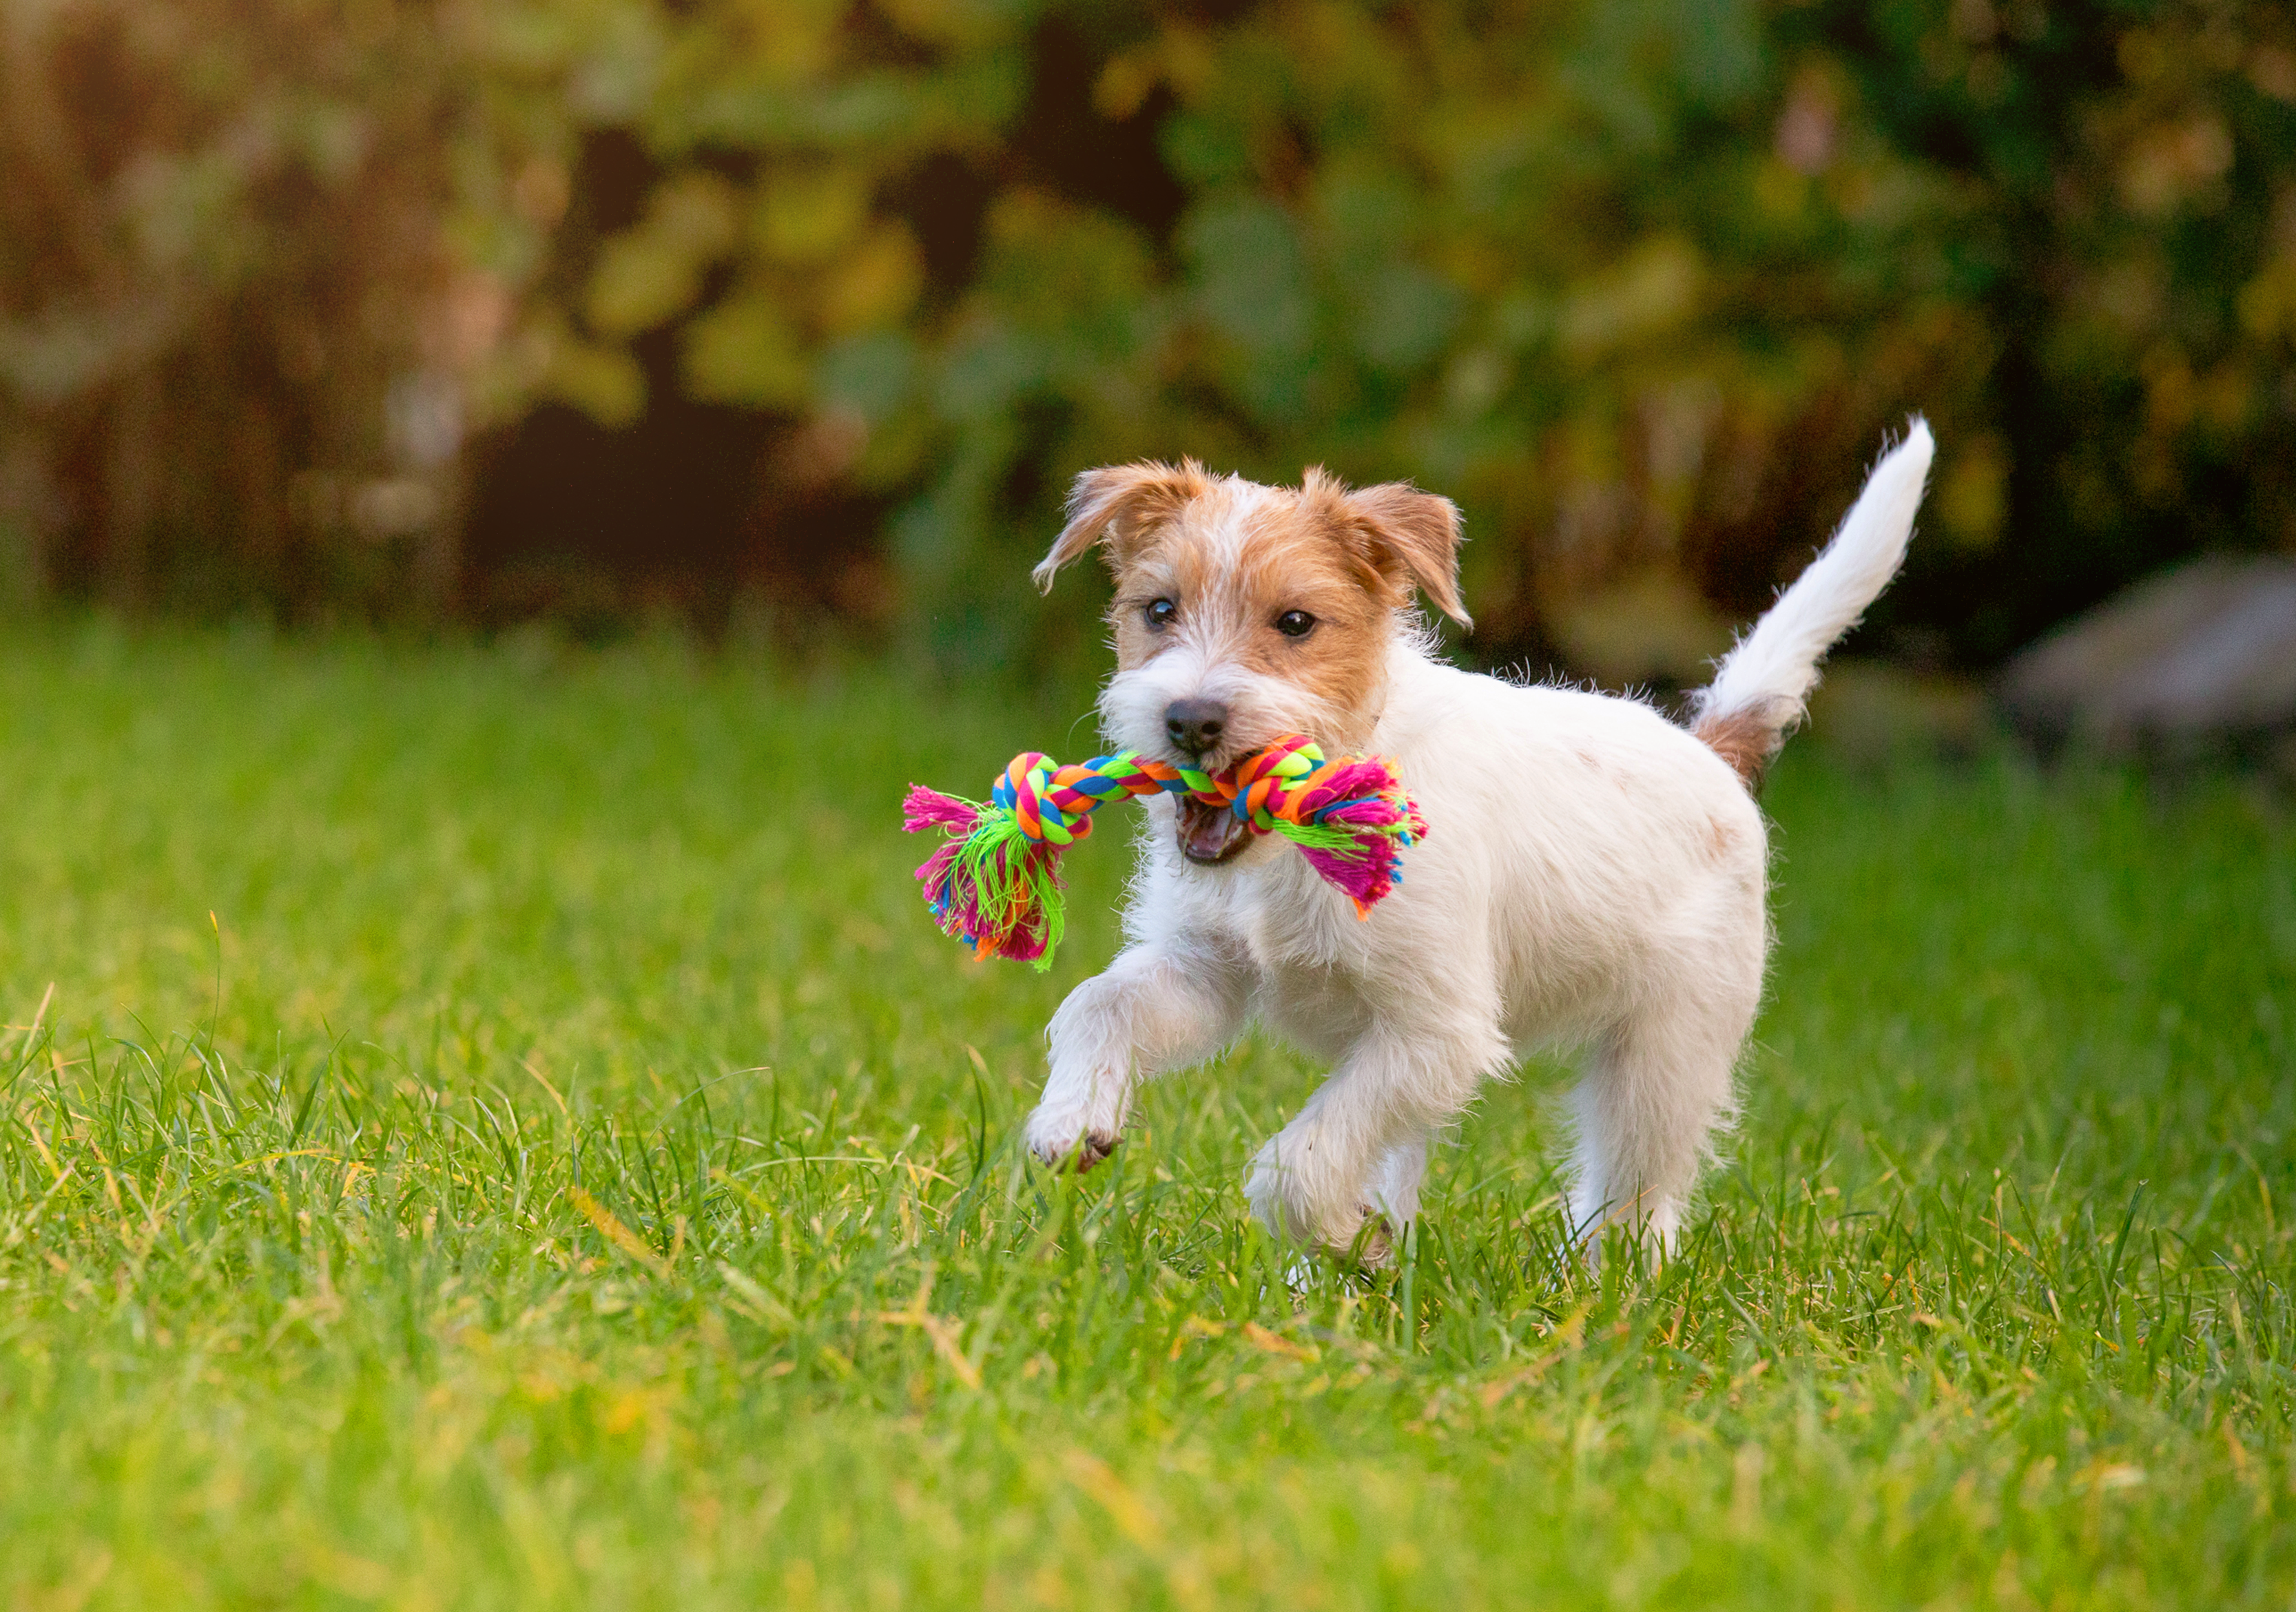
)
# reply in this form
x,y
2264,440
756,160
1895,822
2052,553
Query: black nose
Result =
x,y
1195,726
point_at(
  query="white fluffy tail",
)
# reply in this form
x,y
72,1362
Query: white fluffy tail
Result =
x,y
1760,690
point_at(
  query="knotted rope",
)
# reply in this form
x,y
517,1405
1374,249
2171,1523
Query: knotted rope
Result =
x,y
995,884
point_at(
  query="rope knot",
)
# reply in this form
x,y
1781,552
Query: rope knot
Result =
x,y
995,882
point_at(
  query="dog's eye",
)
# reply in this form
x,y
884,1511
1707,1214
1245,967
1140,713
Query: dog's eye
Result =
x,y
1160,612
1295,623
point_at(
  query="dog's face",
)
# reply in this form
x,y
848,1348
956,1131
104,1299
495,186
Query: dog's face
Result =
x,y
1244,612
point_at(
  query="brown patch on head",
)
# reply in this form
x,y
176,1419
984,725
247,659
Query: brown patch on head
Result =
x,y
1239,565
1239,561
1747,738
1278,602
1300,552
1394,535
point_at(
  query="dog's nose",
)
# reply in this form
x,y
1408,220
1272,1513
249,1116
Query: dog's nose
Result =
x,y
1195,726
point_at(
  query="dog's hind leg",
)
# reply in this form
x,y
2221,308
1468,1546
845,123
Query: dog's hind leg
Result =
x,y
1655,1092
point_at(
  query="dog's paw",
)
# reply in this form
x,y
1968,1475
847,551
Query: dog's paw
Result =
x,y
1370,1245
1090,1148
1364,1240
1065,1146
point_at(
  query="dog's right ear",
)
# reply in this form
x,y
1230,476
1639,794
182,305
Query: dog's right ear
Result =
x,y
1115,505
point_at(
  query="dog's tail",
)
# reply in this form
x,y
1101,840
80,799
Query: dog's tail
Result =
x,y
1758,691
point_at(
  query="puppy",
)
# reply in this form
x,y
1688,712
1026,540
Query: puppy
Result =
x,y
1592,875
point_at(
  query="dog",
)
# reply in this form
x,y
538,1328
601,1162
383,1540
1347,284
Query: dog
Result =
x,y
1594,877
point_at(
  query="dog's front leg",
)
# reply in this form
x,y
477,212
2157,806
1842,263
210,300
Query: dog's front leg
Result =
x,y
1161,1005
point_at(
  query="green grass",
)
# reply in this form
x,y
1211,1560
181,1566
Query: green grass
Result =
x,y
300,1303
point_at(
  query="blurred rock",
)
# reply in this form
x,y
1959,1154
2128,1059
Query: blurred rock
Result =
x,y
2199,658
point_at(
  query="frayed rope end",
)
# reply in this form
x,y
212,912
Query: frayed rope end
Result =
x,y
989,885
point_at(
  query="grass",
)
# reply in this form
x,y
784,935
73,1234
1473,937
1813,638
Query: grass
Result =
x,y
567,1169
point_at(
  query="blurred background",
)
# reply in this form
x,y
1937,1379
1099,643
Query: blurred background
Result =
x,y
793,317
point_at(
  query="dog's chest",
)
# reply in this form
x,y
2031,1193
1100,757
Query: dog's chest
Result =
x,y
1320,1010
1309,954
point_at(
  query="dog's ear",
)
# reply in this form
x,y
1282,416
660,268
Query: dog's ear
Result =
x,y
1114,505
1415,536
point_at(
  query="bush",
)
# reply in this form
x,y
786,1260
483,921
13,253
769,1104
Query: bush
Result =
x,y
1642,285
233,338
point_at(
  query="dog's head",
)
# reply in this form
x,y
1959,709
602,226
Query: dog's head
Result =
x,y
1245,612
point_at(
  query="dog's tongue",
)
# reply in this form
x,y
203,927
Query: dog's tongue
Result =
x,y
1208,832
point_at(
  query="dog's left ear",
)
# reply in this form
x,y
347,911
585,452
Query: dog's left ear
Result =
x,y
1414,534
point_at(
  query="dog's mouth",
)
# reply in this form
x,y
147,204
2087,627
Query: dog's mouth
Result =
x,y
1209,834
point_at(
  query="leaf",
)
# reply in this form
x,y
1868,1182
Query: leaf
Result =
x,y
654,271
874,284
1251,274
1408,316
745,351
806,214
1649,293
603,382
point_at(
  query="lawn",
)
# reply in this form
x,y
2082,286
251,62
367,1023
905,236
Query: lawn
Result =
x,y
495,1128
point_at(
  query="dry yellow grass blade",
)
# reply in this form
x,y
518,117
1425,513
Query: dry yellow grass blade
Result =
x,y
614,1232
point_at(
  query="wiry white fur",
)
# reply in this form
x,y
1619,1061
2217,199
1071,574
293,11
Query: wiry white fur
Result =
x,y
1593,878
1774,667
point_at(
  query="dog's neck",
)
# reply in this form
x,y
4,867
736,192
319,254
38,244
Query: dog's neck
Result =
x,y
1408,654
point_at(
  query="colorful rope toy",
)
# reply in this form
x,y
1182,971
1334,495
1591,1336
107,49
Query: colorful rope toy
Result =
x,y
995,884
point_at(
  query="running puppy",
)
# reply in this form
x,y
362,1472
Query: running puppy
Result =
x,y
1593,874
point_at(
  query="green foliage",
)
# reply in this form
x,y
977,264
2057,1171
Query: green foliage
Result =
x,y
1989,1306
255,264
1641,284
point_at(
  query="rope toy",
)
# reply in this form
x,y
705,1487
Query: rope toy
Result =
x,y
995,884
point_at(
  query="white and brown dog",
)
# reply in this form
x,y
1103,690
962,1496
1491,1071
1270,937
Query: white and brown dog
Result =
x,y
1592,875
